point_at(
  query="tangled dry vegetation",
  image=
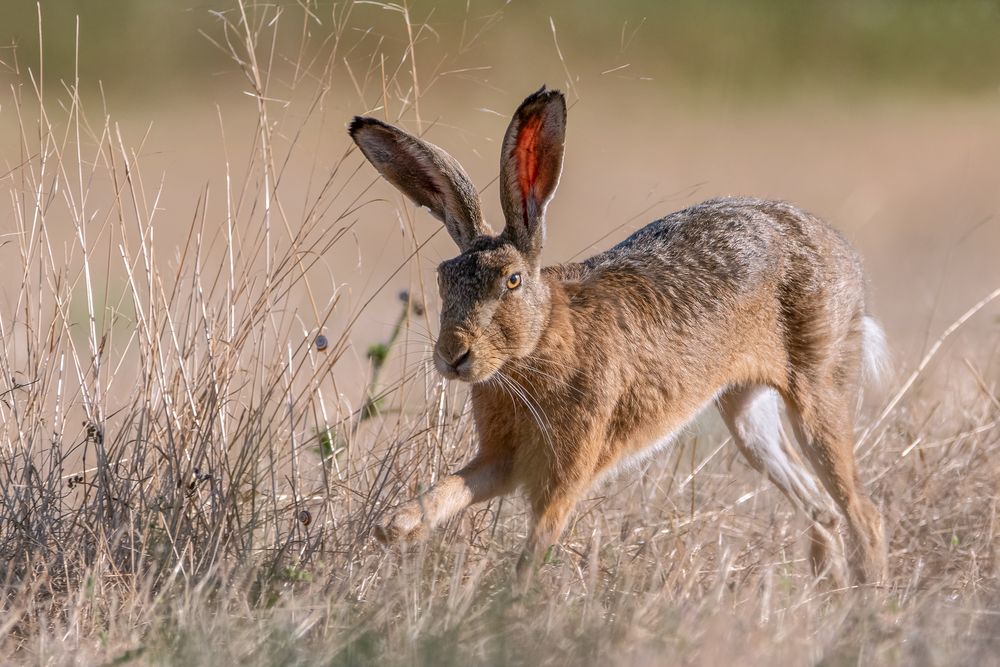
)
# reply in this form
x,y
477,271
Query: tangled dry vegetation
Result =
x,y
187,479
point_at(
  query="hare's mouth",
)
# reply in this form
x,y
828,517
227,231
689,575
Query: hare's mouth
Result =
x,y
467,368
459,368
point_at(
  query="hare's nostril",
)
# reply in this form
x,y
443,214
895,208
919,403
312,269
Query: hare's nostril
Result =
x,y
450,355
459,357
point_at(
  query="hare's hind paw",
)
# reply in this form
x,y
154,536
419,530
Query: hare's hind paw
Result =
x,y
405,524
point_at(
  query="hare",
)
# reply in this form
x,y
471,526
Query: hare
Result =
x,y
578,370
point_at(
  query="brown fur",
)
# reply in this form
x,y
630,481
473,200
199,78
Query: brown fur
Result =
x,y
583,366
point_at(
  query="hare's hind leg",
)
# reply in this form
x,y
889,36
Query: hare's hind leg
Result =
x,y
820,410
752,414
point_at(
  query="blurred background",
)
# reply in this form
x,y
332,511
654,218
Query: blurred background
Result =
x,y
183,216
881,116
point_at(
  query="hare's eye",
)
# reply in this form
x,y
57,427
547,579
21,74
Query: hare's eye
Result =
x,y
514,281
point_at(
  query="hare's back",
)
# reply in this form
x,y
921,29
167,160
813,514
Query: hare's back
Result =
x,y
734,244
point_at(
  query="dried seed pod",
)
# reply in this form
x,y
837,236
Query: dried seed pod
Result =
x,y
416,305
95,432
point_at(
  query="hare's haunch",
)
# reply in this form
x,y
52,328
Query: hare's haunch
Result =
x,y
580,369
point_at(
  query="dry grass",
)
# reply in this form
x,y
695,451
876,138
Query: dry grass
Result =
x,y
188,478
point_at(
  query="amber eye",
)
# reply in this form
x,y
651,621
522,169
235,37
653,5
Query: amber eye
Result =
x,y
514,281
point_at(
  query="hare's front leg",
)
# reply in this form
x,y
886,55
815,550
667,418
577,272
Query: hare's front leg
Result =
x,y
481,480
550,514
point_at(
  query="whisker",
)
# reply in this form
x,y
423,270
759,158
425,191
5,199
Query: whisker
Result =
x,y
535,410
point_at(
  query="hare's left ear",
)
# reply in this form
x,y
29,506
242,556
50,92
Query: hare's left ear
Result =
x,y
530,165
426,174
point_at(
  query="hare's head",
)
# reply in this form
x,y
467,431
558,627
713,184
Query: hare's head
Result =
x,y
494,302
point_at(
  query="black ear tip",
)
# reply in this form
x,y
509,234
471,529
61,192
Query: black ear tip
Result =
x,y
356,125
361,122
543,96
545,93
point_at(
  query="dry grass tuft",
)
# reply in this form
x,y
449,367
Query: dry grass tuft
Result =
x,y
187,478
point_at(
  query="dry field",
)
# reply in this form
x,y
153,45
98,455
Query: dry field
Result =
x,y
188,478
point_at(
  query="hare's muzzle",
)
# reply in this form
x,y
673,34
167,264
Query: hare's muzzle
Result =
x,y
453,358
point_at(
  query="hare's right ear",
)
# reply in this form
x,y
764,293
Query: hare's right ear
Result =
x,y
424,173
530,166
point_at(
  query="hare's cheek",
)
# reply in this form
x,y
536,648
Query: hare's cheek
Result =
x,y
509,328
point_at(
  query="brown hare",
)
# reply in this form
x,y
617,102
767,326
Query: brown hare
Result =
x,y
577,370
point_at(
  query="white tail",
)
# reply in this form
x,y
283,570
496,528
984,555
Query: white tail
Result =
x,y
875,353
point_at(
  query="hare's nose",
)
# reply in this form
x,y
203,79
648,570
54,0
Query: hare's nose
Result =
x,y
458,357
451,352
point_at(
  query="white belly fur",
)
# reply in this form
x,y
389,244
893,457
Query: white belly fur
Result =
x,y
634,461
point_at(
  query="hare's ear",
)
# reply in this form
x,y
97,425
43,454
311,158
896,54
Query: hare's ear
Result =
x,y
424,173
530,165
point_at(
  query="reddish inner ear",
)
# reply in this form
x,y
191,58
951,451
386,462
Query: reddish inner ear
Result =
x,y
527,154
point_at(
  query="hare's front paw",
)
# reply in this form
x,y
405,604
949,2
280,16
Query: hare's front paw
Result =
x,y
404,524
